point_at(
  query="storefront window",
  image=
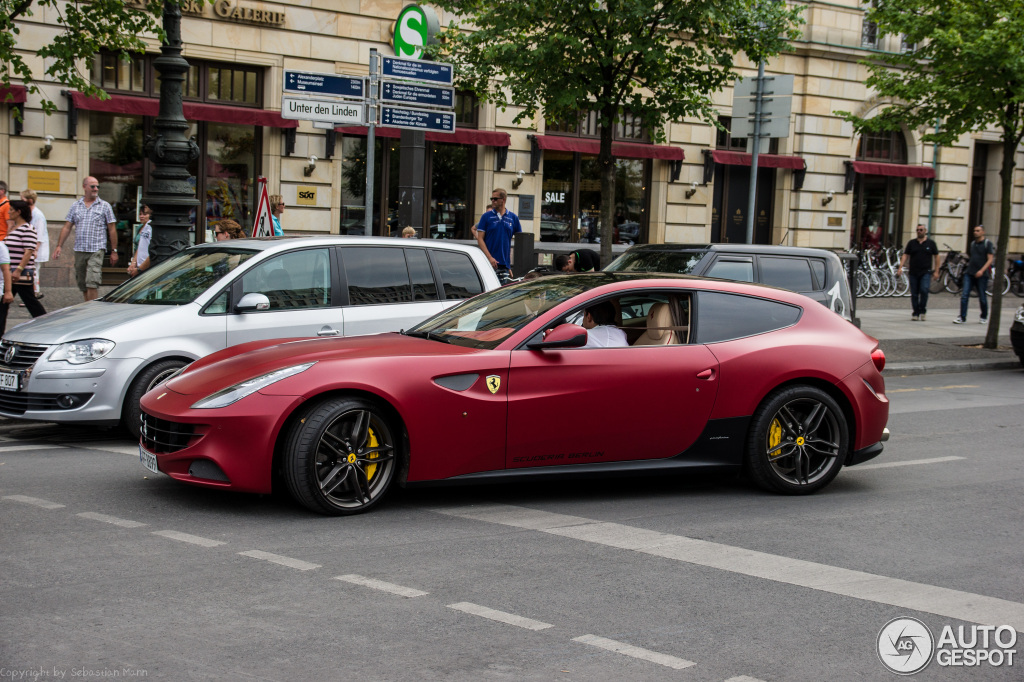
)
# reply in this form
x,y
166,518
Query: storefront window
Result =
x,y
230,173
450,166
556,208
878,199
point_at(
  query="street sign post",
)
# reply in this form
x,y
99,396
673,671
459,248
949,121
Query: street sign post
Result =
x,y
413,69
338,112
324,84
401,92
417,119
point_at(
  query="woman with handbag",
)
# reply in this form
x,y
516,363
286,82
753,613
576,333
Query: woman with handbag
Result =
x,y
22,242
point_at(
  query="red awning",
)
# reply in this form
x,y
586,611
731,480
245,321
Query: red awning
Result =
x,y
730,158
194,111
486,138
620,150
17,93
899,170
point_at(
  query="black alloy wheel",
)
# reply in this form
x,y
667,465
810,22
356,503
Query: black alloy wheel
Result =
x,y
798,442
340,457
147,380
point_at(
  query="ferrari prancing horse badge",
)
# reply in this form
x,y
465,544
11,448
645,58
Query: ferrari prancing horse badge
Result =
x,y
493,383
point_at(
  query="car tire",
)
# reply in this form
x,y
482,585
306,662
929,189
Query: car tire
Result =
x,y
798,441
147,379
340,456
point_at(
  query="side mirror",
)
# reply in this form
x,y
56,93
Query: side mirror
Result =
x,y
562,336
251,303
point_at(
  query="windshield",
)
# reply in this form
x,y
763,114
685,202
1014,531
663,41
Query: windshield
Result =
x,y
180,278
486,320
680,262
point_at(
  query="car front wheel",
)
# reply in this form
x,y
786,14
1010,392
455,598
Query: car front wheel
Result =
x,y
798,442
147,380
340,457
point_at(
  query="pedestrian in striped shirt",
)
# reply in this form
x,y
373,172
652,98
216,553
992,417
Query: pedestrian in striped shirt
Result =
x,y
22,242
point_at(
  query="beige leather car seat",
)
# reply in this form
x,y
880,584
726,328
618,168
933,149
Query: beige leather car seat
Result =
x,y
660,330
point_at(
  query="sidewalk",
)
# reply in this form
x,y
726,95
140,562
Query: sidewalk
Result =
x,y
932,347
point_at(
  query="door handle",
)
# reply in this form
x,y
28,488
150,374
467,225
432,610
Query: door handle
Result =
x,y
707,374
327,331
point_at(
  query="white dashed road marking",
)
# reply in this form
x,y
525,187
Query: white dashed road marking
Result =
x,y
909,462
185,537
634,651
23,448
941,601
381,585
743,678
282,560
45,504
119,447
124,523
500,616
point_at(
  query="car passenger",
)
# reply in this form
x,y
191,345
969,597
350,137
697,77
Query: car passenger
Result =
x,y
599,321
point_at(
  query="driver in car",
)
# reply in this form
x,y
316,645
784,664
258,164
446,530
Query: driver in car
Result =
x,y
599,321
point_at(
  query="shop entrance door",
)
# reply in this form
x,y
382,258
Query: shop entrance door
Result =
x,y
730,203
879,211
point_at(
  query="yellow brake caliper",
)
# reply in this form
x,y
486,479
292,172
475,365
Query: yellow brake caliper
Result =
x,y
774,437
371,441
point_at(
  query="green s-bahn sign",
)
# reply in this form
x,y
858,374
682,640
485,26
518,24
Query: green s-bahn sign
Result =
x,y
415,28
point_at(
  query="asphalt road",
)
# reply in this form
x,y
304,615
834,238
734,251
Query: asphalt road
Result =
x,y
107,570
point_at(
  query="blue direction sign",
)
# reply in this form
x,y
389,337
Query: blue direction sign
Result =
x,y
324,84
401,92
416,119
416,70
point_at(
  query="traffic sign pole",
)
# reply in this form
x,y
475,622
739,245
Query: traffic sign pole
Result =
x,y
752,193
371,135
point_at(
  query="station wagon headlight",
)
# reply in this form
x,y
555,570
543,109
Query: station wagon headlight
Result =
x,y
232,394
81,352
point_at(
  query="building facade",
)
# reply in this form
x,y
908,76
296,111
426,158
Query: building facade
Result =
x,y
821,185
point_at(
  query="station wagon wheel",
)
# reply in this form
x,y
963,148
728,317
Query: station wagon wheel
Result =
x,y
148,379
798,442
340,457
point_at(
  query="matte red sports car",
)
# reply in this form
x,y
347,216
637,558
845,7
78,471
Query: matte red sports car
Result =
x,y
688,373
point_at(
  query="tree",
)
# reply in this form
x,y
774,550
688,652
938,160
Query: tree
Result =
x,y
966,71
659,61
84,29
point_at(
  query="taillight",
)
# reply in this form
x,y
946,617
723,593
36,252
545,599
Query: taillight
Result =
x,y
878,357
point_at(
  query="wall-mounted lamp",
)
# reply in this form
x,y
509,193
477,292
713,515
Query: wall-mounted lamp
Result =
x,y
829,196
308,170
693,190
519,179
955,205
44,151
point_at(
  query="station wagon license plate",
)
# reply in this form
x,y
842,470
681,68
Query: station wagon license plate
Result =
x,y
148,459
10,381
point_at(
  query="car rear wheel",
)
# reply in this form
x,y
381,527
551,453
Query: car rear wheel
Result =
x,y
147,380
798,441
340,457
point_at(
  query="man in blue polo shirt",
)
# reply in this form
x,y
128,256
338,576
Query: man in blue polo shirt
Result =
x,y
494,234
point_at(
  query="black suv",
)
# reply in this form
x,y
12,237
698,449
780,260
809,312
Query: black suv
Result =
x,y
816,273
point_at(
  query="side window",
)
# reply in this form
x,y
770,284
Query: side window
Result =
x,y
376,275
654,318
423,287
721,317
818,267
300,279
458,276
218,306
786,273
736,270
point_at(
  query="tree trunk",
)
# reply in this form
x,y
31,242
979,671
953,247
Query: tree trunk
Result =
x,y
607,165
1003,240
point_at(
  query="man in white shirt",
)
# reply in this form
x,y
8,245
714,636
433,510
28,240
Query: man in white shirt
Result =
x,y
599,321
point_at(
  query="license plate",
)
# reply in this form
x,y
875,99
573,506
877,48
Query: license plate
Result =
x,y
10,381
148,459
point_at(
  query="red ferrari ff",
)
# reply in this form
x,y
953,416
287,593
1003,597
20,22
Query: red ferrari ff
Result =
x,y
535,378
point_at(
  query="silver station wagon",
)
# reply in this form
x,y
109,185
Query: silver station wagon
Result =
x,y
91,363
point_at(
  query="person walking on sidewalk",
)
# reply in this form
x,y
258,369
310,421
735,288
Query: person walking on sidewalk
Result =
x,y
39,223
923,255
90,217
276,209
22,242
981,253
5,210
494,234
140,259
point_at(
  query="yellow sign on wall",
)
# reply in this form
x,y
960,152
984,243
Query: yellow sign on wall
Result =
x,y
44,181
306,196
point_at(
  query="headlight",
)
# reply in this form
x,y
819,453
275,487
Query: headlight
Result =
x,y
81,352
233,394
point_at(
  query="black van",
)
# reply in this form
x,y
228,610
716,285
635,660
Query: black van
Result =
x,y
816,273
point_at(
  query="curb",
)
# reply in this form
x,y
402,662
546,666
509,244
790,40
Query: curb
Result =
x,y
949,367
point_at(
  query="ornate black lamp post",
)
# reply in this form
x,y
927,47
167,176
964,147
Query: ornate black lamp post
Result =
x,y
171,194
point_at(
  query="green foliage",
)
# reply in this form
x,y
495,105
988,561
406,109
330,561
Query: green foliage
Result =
x,y
83,30
661,61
